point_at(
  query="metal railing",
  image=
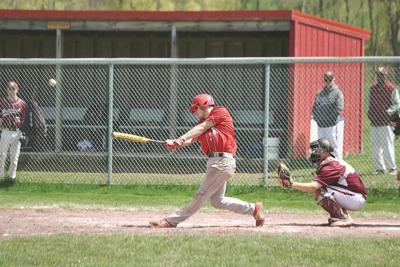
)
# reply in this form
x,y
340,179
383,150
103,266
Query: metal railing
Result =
x,y
270,100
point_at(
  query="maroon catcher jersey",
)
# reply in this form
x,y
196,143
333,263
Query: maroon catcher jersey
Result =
x,y
339,173
13,113
379,101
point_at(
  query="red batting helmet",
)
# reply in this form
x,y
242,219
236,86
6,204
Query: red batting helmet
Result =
x,y
13,85
381,71
201,101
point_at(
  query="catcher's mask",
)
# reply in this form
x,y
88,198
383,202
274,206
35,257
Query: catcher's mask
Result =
x,y
317,148
201,101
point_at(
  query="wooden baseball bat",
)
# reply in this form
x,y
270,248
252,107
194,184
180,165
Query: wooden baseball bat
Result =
x,y
134,138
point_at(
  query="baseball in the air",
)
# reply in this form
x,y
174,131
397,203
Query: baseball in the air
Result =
x,y
52,82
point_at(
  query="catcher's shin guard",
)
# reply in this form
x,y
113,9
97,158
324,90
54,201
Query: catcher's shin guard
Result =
x,y
328,203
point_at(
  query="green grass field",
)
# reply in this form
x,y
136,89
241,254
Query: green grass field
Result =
x,y
382,201
384,181
172,250
188,250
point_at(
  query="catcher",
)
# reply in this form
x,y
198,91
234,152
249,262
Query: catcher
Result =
x,y
336,186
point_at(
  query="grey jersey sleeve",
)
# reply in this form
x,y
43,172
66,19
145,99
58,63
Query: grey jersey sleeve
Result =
x,y
340,102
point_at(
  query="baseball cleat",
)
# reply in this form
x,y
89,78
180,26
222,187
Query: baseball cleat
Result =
x,y
336,222
258,214
163,223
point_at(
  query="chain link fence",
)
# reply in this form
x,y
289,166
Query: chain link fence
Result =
x,y
271,102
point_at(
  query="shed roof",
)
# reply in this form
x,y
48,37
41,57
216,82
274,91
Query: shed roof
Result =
x,y
177,16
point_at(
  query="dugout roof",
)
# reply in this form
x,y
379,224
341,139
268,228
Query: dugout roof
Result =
x,y
281,33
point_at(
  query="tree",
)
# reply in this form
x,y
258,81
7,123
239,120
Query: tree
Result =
x,y
346,2
393,15
372,46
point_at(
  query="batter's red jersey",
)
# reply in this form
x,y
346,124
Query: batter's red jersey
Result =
x,y
13,113
339,173
221,137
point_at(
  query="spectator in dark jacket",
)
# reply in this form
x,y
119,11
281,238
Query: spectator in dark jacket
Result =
x,y
383,100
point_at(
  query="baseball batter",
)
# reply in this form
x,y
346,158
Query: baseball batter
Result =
x,y
216,134
336,187
13,113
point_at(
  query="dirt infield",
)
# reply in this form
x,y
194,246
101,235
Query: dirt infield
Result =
x,y
50,221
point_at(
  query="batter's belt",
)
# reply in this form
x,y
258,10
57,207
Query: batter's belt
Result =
x,y
220,155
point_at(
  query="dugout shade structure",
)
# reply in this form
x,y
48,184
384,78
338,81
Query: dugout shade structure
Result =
x,y
282,33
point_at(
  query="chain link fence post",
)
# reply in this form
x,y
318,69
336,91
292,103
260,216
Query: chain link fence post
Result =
x,y
266,123
110,123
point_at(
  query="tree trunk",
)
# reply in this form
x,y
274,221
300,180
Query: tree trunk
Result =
x,y
302,6
158,5
321,8
14,4
393,11
371,26
198,2
243,4
346,2
362,16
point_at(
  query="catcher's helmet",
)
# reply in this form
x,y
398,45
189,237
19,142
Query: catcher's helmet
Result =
x,y
317,148
201,101
13,85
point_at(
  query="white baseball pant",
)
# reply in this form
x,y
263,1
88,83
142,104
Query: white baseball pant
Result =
x,y
345,198
219,170
10,141
333,136
382,139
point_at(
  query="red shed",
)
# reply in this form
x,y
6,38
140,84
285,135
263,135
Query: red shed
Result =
x,y
315,37
283,33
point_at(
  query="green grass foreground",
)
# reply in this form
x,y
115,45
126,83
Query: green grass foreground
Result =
x,y
380,202
186,249
197,250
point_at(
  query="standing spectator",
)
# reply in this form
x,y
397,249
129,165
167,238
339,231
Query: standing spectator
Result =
x,y
383,100
326,111
216,134
13,113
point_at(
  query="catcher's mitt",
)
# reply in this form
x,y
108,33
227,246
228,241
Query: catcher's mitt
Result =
x,y
284,175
